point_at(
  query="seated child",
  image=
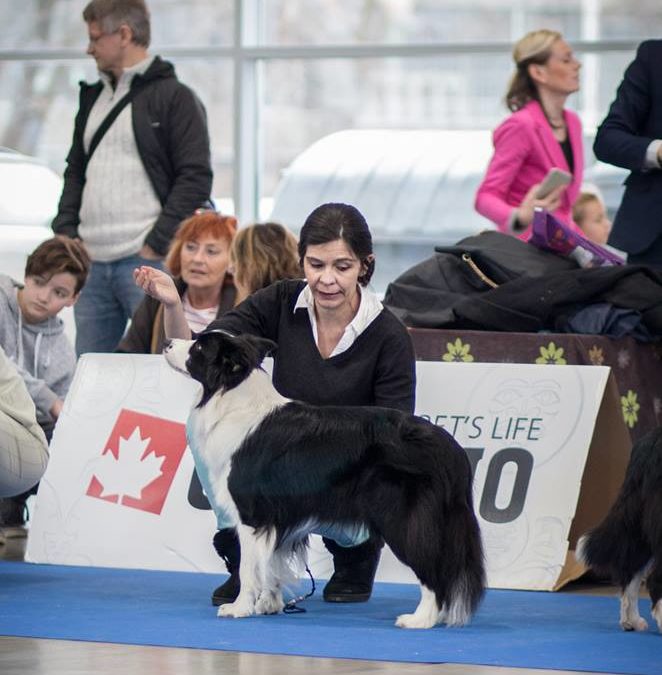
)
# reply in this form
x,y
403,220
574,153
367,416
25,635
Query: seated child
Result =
x,y
32,335
590,214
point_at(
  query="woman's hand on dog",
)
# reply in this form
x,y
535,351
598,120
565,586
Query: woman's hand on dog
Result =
x,y
157,284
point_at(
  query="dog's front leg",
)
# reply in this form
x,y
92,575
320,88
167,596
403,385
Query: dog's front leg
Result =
x,y
271,598
630,617
250,574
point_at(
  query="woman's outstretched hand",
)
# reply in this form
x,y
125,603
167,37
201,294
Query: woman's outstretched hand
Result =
x,y
157,284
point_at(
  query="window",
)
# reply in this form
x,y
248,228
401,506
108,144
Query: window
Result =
x,y
303,69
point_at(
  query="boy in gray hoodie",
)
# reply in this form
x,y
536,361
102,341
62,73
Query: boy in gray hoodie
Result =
x,y
32,335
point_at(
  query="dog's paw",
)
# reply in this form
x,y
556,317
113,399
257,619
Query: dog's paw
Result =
x,y
269,603
414,621
637,624
235,610
657,614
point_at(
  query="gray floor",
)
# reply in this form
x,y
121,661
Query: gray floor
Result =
x,y
27,656
21,656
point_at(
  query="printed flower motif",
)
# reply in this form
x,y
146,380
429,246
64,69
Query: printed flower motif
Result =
x,y
551,354
623,358
630,408
596,355
458,351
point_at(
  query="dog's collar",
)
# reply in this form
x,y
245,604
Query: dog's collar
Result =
x,y
222,331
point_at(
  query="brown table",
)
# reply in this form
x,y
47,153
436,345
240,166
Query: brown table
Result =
x,y
636,366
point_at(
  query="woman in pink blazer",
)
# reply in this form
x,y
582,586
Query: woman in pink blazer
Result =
x,y
540,135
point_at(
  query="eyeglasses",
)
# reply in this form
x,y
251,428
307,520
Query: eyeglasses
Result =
x,y
95,39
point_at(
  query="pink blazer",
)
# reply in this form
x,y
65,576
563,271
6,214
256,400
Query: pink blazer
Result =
x,y
524,151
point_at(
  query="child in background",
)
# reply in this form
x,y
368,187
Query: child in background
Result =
x,y
590,214
32,336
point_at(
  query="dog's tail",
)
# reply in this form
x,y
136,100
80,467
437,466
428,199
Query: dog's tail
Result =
x,y
462,572
615,548
618,547
441,541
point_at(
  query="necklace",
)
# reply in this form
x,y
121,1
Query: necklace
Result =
x,y
555,125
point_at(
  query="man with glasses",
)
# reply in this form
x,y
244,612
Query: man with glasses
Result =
x,y
138,165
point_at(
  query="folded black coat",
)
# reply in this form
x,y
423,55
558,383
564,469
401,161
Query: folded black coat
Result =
x,y
495,282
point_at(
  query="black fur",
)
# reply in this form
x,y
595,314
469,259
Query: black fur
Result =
x,y
630,537
406,478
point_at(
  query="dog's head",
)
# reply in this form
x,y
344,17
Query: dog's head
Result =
x,y
218,360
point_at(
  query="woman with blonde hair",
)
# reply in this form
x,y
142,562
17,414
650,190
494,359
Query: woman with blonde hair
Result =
x,y
261,254
539,135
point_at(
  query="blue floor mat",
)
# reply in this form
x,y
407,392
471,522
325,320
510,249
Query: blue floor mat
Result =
x,y
172,609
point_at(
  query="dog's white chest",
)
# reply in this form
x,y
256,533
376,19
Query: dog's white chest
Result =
x,y
216,431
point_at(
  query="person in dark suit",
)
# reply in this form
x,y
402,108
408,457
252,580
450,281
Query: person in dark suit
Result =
x,y
631,137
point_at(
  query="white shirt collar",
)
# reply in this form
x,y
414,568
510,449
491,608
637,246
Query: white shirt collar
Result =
x,y
369,308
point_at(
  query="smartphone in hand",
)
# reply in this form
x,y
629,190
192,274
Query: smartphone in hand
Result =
x,y
553,179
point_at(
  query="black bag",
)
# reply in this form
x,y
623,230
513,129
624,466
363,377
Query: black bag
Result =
x,y
496,282
425,295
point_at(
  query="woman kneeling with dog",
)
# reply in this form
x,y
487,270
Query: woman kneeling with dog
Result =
x,y
337,345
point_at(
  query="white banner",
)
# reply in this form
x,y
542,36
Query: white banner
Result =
x,y
119,489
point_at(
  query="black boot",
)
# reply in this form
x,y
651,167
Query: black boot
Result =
x,y
355,570
13,516
226,544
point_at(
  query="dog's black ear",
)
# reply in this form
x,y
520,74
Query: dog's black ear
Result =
x,y
264,346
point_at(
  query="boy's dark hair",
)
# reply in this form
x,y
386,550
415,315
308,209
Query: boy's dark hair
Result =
x,y
111,14
56,255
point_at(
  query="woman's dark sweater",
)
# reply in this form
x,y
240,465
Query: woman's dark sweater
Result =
x,y
378,369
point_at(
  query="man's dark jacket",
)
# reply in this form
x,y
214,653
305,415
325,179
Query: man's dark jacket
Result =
x,y
633,121
170,128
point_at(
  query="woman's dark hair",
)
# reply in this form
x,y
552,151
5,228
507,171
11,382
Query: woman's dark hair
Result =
x,y
330,222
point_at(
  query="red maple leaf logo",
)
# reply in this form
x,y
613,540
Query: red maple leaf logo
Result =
x,y
139,461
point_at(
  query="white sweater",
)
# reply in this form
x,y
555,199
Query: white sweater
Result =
x,y
119,205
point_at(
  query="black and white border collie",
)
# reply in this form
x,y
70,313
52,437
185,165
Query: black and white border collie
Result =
x,y
281,468
627,545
